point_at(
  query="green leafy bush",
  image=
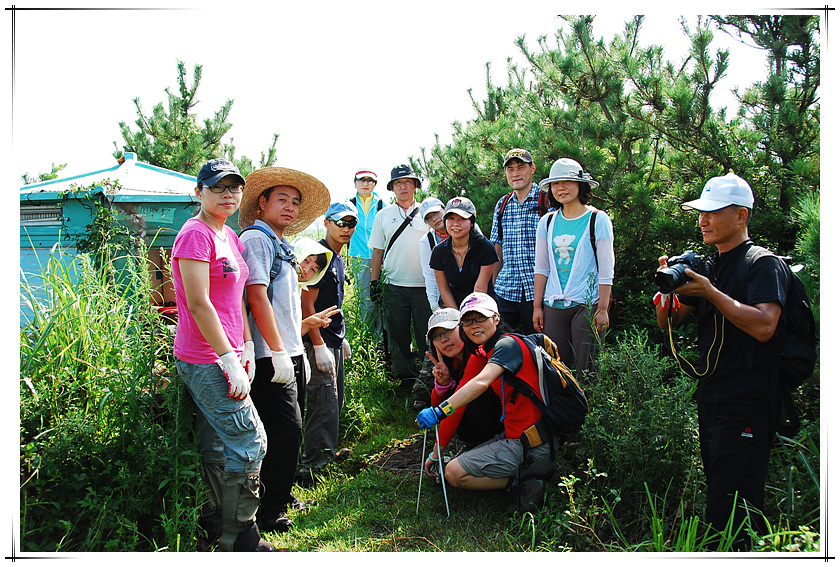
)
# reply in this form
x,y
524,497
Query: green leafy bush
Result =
x,y
108,462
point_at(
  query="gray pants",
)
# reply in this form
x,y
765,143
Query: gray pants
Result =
x,y
324,400
571,331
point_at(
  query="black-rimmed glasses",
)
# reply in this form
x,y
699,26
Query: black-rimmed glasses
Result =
x,y
468,321
221,188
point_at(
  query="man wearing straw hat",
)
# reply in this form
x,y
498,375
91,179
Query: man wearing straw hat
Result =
x,y
277,202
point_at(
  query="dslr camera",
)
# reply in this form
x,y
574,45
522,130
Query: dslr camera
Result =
x,y
673,275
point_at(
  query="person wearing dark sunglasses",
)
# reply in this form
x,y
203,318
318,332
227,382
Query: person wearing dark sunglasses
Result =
x,y
326,349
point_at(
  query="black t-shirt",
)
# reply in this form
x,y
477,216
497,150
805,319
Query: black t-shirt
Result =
x,y
462,281
743,370
331,292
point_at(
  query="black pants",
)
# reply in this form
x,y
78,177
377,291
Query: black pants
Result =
x,y
280,408
735,444
519,315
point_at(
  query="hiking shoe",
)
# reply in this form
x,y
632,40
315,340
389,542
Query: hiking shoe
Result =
x,y
296,504
529,495
250,540
306,478
279,523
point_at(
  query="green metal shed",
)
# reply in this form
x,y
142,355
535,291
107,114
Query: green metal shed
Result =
x,y
151,201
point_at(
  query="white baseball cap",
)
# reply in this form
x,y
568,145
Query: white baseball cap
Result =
x,y
721,192
446,318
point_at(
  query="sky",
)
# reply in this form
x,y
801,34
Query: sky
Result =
x,y
346,85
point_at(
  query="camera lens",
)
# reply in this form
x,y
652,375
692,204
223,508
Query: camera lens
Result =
x,y
670,278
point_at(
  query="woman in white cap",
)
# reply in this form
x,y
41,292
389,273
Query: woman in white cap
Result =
x,y
477,422
464,262
574,267
214,356
501,462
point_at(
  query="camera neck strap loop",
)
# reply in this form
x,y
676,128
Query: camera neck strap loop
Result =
x,y
682,361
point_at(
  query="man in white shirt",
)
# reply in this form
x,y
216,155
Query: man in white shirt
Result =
x,y
397,277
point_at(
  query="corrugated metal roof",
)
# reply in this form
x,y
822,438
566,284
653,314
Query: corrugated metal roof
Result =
x,y
138,182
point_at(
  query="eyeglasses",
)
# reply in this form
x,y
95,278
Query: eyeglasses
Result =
x,y
349,223
366,180
439,333
468,321
221,188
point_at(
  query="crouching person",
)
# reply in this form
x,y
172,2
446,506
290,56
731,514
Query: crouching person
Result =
x,y
501,462
215,359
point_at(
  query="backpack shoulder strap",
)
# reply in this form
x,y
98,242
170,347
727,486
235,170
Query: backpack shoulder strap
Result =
x,y
592,236
280,253
502,211
431,237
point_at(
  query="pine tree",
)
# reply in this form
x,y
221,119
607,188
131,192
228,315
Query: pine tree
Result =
x,y
172,137
646,129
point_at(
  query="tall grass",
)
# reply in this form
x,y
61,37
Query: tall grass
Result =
x,y
108,462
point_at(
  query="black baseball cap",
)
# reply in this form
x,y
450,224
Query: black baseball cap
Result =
x,y
215,170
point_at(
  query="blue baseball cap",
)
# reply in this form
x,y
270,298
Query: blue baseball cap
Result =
x,y
340,210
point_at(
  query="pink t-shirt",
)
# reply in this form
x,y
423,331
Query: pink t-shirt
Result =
x,y
228,272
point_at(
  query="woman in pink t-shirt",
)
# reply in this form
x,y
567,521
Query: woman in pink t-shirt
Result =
x,y
214,355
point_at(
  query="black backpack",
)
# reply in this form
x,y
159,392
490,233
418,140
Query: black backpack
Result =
x,y
795,341
562,401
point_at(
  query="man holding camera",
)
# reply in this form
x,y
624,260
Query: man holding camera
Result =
x,y
737,309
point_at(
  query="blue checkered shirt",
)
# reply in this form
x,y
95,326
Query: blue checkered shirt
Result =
x,y
519,232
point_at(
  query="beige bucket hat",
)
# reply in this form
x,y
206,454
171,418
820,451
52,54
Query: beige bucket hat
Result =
x,y
314,196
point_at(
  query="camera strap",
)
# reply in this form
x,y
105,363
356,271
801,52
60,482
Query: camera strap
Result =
x,y
681,362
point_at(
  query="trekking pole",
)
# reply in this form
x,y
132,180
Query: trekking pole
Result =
x,y
422,468
442,476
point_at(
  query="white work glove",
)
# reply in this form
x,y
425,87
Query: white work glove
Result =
x,y
345,349
284,368
248,360
324,359
238,383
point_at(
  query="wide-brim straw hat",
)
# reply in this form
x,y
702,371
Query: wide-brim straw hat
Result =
x,y
314,196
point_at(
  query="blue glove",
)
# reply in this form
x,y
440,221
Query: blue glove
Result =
x,y
429,417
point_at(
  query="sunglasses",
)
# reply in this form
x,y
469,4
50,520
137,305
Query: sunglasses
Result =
x,y
366,180
468,321
349,223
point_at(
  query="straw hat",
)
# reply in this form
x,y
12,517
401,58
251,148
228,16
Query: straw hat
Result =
x,y
314,196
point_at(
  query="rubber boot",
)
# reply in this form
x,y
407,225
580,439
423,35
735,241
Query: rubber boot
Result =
x,y
240,500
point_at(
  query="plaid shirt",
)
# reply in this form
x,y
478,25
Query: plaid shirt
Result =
x,y
519,231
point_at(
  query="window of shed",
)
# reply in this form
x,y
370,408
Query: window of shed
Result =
x,y
40,216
